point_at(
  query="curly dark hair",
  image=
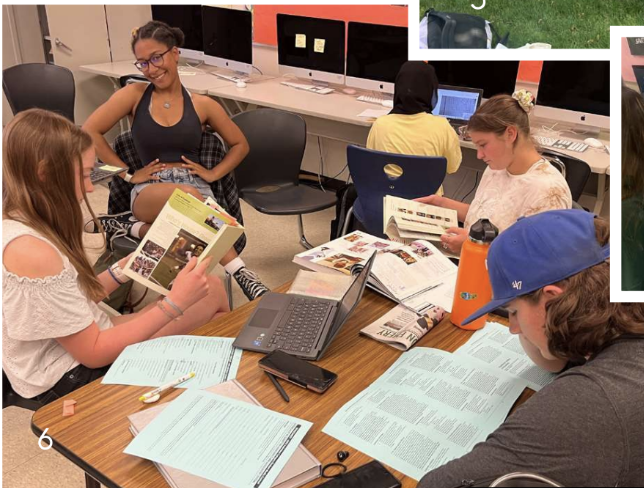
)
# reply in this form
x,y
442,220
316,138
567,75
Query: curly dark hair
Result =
x,y
160,32
581,321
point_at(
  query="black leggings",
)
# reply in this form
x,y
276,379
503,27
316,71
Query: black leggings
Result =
x,y
72,380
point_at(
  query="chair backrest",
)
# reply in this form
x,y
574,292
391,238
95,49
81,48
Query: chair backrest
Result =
x,y
420,176
40,85
277,140
576,171
128,79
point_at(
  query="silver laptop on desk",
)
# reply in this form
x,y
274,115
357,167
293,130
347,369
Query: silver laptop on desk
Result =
x,y
457,104
300,325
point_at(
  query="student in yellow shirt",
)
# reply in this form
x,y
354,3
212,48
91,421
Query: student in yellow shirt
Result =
x,y
410,128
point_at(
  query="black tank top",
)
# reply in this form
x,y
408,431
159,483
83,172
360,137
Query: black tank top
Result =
x,y
168,144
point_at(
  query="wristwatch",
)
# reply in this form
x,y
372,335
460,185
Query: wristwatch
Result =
x,y
127,177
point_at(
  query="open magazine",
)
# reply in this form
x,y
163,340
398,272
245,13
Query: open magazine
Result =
x,y
417,276
402,328
186,227
406,221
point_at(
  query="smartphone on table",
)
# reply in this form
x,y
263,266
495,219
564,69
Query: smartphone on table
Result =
x,y
298,371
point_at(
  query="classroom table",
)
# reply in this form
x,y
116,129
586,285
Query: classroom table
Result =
x,y
95,437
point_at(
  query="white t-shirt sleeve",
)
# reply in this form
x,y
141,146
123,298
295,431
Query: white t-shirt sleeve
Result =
x,y
44,308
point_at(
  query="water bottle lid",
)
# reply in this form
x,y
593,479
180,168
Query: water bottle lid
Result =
x,y
483,231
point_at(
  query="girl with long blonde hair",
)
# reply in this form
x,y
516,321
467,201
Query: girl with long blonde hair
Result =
x,y
54,336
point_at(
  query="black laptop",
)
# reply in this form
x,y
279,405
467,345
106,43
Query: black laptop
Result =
x,y
102,172
300,325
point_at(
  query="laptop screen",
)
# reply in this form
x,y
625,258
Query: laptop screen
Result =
x,y
350,300
457,103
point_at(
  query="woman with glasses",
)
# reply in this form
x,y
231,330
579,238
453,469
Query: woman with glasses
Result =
x,y
167,126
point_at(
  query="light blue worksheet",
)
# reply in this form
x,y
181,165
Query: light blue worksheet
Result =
x,y
159,361
428,408
497,348
227,441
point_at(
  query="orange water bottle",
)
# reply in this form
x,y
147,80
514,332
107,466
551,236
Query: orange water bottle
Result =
x,y
473,289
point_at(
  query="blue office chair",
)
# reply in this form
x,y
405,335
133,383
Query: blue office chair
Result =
x,y
376,174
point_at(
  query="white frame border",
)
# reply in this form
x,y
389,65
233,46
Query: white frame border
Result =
x,y
616,292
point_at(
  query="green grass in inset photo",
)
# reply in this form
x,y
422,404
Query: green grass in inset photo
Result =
x,y
564,24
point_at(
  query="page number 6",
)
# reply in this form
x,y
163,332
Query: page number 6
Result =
x,y
46,438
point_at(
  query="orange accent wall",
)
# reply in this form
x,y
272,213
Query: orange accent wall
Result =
x,y
265,20
530,71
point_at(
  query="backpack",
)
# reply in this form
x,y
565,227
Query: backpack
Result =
x,y
443,30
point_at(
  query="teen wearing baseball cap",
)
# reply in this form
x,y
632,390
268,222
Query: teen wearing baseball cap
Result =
x,y
587,427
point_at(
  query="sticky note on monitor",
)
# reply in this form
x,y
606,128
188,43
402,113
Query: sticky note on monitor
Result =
x,y
300,40
318,46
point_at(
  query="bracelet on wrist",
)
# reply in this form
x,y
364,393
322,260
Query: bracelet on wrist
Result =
x,y
165,311
117,273
127,177
173,305
109,270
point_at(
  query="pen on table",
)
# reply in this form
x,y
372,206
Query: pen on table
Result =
x,y
167,386
278,386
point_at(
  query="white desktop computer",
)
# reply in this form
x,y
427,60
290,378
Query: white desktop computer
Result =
x,y
228,38
311,48
577,92
188,19
375,54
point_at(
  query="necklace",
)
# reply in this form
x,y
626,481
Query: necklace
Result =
x,y
167,104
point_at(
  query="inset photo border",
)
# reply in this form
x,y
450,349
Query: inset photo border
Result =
x,y
621,60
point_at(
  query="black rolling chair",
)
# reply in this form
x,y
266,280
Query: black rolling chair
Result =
x,y
268,179
574,170
40,85
11,398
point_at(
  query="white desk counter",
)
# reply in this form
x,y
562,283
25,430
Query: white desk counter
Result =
x,y
196,80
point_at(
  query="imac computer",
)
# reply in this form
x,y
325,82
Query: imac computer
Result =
x,y
457,104
311,48
493,77
576,92
188,19
228,38
375,54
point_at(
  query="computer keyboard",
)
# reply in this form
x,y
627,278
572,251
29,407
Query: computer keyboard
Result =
x,y
234,79
99,174
370,99
320,90
302,327
561,144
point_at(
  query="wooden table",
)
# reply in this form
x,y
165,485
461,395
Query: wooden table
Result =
x,y
95,437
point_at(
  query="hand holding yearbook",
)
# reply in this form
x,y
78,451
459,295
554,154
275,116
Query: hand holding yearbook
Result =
x,y
406,220
185,228
402,328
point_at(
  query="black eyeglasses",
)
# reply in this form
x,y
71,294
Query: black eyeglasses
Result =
x,y
155,60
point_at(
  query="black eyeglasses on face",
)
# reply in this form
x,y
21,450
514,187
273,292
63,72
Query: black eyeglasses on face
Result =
x,y
155,60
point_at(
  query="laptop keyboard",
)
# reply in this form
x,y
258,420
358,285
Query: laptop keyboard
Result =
x,y
298,333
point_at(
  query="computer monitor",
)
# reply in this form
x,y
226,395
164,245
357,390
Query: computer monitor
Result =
x,y
639,76
575,91
493,77
188,19
228,38
375,54
311,48
457,104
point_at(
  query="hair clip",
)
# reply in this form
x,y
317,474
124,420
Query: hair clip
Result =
x,y
525,99
135,31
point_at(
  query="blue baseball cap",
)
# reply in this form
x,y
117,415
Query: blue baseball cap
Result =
x,y
540,250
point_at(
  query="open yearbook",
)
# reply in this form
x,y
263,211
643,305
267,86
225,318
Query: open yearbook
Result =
x,y
186,227
301,468
406,220
402,328
417,276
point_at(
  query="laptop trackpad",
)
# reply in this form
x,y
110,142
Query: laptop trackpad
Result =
x,y
263,318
